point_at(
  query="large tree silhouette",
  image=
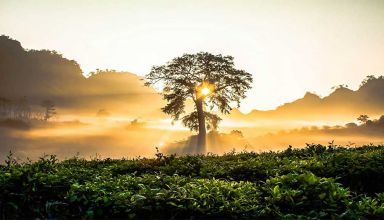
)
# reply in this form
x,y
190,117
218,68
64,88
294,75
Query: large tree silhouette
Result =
x,y
209,80
50,110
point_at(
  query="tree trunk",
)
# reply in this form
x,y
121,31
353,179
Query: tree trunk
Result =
x,y
201,138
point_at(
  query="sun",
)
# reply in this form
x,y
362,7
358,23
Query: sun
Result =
x,y
205,91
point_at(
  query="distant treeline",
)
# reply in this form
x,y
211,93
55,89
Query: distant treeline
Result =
x,y
20,109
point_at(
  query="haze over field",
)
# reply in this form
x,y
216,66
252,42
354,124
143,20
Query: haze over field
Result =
x,y
295,52
112,114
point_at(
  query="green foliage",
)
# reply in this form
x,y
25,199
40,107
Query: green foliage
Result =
x,y
313,182
305,194
162,196
371,207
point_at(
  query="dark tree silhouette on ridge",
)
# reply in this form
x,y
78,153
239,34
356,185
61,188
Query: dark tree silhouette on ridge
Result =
x,y
50,110
209,80
363,119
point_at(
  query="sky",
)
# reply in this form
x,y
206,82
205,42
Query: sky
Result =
x,y
290,47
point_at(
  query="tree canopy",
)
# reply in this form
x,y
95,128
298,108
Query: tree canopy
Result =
x,y
181,77
209,80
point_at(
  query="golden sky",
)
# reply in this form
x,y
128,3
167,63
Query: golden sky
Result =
x,y
289,46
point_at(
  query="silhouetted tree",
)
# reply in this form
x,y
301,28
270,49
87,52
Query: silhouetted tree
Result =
x,y
50,110
341,86
4,107
207,79
237,133
136,123
102,113
363,118
368,79
22,109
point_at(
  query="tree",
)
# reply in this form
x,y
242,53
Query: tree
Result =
x,y
208,80
102,113
363,119
237,133
22,110
341,86
50,110
367,79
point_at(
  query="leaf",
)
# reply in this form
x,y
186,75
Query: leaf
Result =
x,y
138,197
172,204
322,195
276,190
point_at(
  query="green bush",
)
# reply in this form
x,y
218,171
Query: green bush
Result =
x,y
153,196
314,182
305,194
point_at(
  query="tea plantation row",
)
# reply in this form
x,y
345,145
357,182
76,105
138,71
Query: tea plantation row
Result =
x,y
314,182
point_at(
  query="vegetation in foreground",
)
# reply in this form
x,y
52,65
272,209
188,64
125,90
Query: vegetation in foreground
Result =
x,y
314,182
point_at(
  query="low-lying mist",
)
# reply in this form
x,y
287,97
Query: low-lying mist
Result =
x,y
112,114
101,138
117,137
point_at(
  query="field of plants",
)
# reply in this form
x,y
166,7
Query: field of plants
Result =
x,y
310,183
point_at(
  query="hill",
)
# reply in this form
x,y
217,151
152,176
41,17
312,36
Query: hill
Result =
x,y
341,103
42,74
46,75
